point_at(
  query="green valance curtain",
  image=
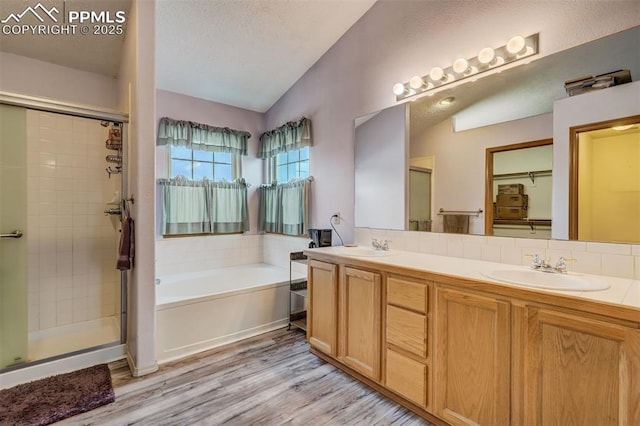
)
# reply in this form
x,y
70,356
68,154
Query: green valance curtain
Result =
x,y
293,135
284,208
202,137
201,207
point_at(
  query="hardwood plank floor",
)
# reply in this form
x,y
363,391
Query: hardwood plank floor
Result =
x,y
271,379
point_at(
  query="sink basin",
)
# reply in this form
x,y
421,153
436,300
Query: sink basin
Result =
x,y
531,278
361,251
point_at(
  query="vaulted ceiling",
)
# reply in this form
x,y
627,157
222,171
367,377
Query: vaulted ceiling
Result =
x,y
245,53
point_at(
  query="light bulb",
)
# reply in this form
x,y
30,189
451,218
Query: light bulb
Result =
x,y
486,55
436,74
416,82
398,89
460,65
515,45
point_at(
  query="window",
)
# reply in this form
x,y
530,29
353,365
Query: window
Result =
x,y
195,164
293,164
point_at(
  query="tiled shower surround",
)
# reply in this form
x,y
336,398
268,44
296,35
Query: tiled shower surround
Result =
x,y
72,244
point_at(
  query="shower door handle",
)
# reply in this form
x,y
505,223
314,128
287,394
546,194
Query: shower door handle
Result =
x,y
15,234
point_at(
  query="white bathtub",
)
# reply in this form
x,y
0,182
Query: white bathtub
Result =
x,y
197,311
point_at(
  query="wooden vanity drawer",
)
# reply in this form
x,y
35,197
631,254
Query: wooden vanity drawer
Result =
x,y
406,377
407,294
407,330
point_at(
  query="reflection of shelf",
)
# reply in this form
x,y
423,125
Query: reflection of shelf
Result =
x,y
523,222
531,175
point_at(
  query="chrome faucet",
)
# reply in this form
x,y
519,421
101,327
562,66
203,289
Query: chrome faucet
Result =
x,y
380,245
540,264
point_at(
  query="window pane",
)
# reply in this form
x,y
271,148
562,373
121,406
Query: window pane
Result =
x,y
202,155
181,167
282,174
223,171
304,153
222,157
202,170
293,170
180,152
303,170
281,158
294,155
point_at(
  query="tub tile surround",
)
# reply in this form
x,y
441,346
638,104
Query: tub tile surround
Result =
x,y
609,259
193,254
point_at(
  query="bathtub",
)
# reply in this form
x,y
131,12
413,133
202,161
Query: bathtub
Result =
x,y
197,311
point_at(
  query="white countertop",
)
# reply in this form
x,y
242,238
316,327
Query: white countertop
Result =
x,y
624,292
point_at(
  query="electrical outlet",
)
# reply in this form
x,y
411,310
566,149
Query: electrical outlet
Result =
x,y
336,217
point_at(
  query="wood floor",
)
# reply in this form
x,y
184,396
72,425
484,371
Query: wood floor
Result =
x,y
271,379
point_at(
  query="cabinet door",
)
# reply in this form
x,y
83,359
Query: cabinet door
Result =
x,y
472,359
580,371
360,324
322,329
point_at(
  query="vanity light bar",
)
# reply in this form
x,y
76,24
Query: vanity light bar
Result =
x,y
516,49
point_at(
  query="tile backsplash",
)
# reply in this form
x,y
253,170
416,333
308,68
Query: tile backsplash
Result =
x,y
616,260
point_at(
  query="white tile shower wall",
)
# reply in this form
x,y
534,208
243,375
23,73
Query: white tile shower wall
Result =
x,y
72,245
191,254
618,260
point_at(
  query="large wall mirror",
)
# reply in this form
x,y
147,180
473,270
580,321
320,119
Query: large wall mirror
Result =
x,y
443,139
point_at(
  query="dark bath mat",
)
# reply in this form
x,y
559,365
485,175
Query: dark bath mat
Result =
x,y
49,400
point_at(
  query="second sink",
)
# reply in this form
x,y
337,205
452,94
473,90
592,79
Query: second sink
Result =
x,y
546,280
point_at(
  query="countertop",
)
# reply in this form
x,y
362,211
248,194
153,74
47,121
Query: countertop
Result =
x,y
622,292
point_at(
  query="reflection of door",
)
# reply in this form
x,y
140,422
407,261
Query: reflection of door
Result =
x,y
605,181
419,199
13,251
524,172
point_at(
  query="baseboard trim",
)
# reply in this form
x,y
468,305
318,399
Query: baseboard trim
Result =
x,y
138,372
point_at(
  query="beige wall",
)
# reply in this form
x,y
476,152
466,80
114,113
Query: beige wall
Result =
x,y
609,188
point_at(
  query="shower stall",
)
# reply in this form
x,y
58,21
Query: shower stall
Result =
x,y
61,194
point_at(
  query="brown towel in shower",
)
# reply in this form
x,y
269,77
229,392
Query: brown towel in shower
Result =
x,y
126,252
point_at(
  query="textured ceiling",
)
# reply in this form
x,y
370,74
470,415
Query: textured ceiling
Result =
x,y
87,52
245,53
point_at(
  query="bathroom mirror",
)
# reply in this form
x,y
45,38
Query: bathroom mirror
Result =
x,y
450,140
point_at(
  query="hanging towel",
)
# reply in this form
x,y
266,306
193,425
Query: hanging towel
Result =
x,y
126,252
456,223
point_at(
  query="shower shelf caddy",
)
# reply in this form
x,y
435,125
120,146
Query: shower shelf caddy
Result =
x,y
114,143
297,293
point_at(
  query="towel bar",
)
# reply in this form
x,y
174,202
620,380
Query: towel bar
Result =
x,y
443,212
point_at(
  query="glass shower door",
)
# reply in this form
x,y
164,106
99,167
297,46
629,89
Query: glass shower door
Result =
x,y
13,244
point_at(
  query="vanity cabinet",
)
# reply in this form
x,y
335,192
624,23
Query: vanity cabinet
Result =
x,y
407,339
360,321
472,358
462,351
322,329
580,370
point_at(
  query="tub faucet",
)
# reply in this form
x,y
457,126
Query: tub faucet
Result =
x,y
380,245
